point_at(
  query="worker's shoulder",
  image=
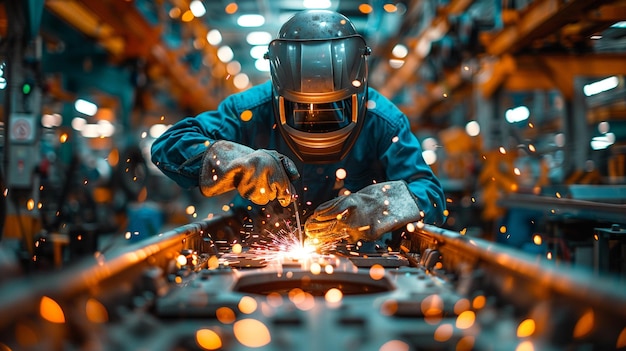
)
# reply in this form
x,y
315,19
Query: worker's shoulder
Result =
x,y
383,109
251,98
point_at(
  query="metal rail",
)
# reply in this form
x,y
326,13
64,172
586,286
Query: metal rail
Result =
x,y
21,296
472,267
568,208
522,278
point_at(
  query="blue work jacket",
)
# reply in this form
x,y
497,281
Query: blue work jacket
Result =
x,y
385,150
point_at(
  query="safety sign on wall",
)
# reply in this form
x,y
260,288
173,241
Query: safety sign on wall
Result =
x,y
22,128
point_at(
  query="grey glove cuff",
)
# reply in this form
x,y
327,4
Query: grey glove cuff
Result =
x,y
399,207
366,214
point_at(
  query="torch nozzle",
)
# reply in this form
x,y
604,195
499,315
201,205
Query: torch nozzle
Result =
x,y
294,201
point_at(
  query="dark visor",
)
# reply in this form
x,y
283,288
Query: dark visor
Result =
x,y
318,118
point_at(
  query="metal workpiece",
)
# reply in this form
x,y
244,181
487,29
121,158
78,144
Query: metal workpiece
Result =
x,y
185,290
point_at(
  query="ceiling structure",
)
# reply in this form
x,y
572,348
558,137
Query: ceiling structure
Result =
x,y
173,49
377,26
518,44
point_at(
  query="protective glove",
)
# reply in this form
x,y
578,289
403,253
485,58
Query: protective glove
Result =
x,y
364,215
258,175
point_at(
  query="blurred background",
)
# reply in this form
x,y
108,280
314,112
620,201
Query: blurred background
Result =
x,y
520,107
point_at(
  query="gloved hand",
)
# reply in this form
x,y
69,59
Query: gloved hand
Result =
x,y
258,175
364,215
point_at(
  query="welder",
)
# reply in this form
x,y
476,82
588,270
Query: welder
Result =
x,y
314,128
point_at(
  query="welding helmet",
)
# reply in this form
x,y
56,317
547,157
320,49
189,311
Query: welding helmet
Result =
x,y
318,69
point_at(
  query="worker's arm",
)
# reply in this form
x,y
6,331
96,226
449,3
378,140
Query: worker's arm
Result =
x,y
404,161
178,152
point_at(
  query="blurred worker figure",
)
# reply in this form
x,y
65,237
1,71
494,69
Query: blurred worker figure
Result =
x,y
314,129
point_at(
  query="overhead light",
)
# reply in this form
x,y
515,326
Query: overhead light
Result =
x,y
233,67
258,52
225,54
316,4
430,157
90,130
250,20
559,139
422,49
157,129
78,123
51,120
175,12
197,8
259,38
604,127
214,37
429,144
620,24
602,142
472,128
437,31
518,114
396,63
106,128
3,81
601,86
85,107
400,51
262,65
241,81
102,129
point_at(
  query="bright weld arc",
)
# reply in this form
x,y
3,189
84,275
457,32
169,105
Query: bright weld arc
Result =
x,y
284,243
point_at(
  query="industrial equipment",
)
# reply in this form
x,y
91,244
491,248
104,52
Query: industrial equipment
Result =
x,y
200,287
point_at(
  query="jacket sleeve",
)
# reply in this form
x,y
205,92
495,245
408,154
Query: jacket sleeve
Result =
x,y
178,152
401,153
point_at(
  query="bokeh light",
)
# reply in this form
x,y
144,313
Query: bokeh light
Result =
x,y
208,339
51,311
252,333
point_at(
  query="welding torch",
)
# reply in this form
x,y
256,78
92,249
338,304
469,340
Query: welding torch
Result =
x,y
293,174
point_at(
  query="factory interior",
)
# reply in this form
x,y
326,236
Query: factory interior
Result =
x,y
520,108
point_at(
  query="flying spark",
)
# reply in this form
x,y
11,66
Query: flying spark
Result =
x,y
284,244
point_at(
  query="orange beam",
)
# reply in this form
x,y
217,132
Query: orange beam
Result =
x,y
87,22
439,26
496,74
192,93
398,77
447,89
124,32
4,23
457,7
128,23
608,13
550,71
543,17
564,68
